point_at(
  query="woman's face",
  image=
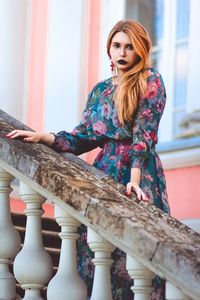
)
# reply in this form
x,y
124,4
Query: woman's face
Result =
x,y
122,53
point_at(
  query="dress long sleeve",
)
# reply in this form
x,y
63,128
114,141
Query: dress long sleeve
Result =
x,y
147,119
78,141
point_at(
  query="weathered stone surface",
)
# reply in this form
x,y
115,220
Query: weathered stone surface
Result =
x,y
165,245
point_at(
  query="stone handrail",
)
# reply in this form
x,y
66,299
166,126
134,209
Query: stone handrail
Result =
x,y
163,244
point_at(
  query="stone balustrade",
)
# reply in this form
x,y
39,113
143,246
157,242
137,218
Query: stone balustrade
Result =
x,y
33,267
67,277
154,242
9,238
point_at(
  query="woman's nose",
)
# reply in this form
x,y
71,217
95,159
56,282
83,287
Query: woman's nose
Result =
x,y
122,52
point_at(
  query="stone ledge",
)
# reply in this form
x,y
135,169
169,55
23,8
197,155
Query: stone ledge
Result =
x,y
162,243
180,153
178,145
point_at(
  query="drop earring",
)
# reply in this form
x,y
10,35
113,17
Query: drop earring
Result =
x,y
112,66
113,69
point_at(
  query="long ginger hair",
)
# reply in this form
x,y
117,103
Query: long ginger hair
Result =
x,y
133,82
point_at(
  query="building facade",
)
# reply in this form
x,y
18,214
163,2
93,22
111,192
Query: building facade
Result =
x,y
54,51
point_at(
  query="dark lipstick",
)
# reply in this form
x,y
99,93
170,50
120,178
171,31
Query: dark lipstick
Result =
x,y
122,62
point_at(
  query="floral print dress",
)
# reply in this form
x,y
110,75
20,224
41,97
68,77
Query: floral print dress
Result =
x,y
123,147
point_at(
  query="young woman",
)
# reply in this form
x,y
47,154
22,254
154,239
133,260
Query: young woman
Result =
x,y
122,117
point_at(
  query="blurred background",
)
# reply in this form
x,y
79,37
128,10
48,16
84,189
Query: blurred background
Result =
x,y
52,52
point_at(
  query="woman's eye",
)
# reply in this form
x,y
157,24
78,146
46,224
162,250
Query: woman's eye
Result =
x,y
116,45
129,47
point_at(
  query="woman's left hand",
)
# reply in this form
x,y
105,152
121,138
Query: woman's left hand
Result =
x,y
134,187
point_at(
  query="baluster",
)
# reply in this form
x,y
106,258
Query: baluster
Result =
x,y
142,278
67,283
33,265
173,293
102,261
9,239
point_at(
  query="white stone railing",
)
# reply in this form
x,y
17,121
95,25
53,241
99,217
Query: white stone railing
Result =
x,y
154,242
33,266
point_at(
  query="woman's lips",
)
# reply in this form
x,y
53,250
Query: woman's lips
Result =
x,y
122,62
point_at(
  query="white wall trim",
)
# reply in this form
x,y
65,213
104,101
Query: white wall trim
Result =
x,y
192,223
180,158
26,61
63,68
193,101
110,14
13,30
166,67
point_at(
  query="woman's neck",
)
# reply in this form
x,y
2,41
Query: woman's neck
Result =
x,y
115,80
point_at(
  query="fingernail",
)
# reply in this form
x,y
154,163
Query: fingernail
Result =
x,y
128,194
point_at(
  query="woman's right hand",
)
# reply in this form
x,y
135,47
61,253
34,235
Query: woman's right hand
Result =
x,y
31,136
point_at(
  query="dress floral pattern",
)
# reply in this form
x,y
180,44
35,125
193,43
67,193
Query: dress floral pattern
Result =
x,y
122,148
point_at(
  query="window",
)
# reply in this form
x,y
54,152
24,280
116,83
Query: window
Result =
x,y
168,25
157,38
181,59
150,14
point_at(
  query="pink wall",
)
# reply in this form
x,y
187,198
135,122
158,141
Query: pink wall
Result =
x,y
37,64
93,43
184,192
93,55
18,206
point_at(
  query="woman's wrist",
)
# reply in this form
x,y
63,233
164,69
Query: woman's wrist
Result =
x,y
48,138
134,183
135,176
